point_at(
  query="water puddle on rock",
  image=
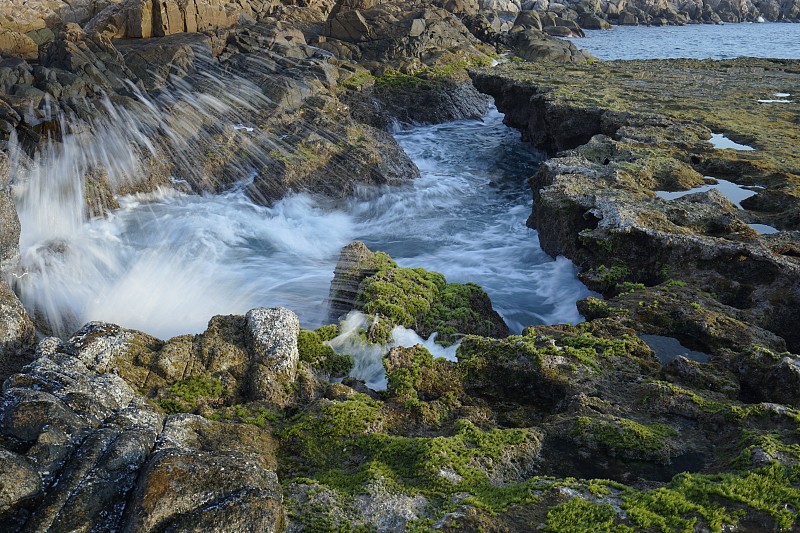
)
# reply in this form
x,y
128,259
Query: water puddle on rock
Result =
x,y
732,191
720,142
668,349
779,98
764,229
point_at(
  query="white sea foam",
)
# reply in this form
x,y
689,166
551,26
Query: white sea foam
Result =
x,y
166,262
368,358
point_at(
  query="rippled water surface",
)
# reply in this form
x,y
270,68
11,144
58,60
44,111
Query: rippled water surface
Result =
x,y
699,41
166,264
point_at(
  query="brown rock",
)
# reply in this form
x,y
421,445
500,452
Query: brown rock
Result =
x,y
208,476
18,44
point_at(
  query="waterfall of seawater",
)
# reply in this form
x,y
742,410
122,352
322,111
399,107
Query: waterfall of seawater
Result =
x,y
166,262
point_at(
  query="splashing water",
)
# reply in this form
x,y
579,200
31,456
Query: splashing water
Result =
x,y
167,262
368,358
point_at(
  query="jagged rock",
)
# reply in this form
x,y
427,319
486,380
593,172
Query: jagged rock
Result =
x,y
334,165
529,20
704,239
590,21
154,60
18,481
34,17
272,337
356,263
86,433
91,57
210,476
255,356
462,8
92,439
18,44
486,27
398,32
767,376
533,45
142,19
16,329
9,221
17,333
411,298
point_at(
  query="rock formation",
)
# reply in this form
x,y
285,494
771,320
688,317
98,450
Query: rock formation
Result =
x,y
254,425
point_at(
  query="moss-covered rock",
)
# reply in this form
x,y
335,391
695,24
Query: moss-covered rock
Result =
x,y
321,356
410,297
619,145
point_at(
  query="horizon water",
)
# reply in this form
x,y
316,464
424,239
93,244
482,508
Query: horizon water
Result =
x,y
694,41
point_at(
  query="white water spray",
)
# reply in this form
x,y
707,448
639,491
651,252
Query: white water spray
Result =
x,y
166,263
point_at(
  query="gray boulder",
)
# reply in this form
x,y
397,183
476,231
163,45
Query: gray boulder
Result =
x,y
533,45
98,456
17,332
86,434
272,338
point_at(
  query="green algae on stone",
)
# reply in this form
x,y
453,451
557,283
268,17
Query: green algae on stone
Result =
x,y
417,299
321,356
581,516
626,437
187,394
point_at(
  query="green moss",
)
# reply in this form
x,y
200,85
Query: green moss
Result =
x,y
430,77
403,295
581,516
358,80
596,308
628,287
254,414
625,435
716,499
403,381
185,395
338,446
315,352
726,408
321,434
424,301
327,333
477,354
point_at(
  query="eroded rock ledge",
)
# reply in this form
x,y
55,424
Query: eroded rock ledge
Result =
x,y
622,131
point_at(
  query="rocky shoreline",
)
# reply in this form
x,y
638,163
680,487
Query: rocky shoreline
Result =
x,y
254,425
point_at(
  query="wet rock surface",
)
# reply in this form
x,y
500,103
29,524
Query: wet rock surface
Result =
x,y
247,426
595,201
